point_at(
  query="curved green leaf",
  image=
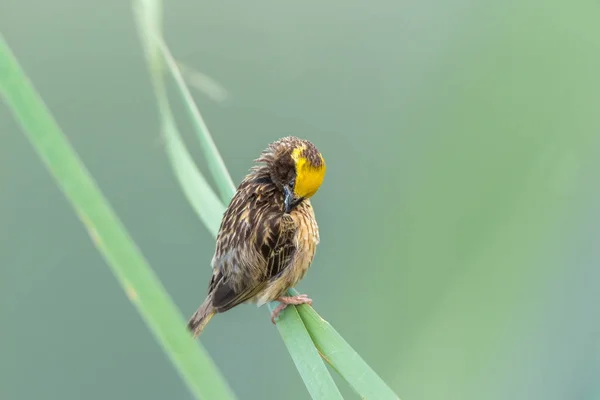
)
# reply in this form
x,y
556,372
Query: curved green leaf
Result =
x,y
342,357
315,375
108,234
215,162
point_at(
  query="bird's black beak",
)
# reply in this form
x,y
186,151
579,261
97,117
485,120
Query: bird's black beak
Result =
x,y
288,200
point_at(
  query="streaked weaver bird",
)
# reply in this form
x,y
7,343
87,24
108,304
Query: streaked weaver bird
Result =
x,y
268,234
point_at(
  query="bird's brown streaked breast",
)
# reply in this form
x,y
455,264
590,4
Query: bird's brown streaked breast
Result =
x,y
307,239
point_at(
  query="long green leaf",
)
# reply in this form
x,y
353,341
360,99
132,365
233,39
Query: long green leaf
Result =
x,y
194,185
108,234
215,161
343,358
315,375
199,193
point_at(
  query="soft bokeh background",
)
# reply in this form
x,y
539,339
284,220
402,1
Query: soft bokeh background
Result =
x,y
459,219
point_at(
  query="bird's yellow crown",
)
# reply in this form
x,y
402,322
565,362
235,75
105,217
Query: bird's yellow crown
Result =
x,y
310,172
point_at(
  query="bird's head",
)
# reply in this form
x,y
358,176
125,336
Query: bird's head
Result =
x,y
296,167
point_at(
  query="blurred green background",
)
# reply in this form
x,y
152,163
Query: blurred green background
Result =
x,y
459,218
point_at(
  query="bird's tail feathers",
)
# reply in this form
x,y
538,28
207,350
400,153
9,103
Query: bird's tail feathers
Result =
x,y
201,317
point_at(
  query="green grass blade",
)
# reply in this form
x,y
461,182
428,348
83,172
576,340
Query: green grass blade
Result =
x,y
213,157
108,234
194,185
343,358
303,352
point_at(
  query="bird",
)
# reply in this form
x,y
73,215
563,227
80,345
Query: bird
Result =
x,y
268,234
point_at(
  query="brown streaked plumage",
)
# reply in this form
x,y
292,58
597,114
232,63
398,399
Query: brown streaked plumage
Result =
x,y
268,235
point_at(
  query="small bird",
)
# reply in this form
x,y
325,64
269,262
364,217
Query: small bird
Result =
x,y
268,234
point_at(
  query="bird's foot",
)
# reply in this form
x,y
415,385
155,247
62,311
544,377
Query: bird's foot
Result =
x,y
286,300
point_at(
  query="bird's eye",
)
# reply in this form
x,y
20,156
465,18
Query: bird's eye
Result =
x,y
292,183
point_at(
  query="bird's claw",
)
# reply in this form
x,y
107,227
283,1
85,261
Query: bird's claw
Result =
x,y
286,300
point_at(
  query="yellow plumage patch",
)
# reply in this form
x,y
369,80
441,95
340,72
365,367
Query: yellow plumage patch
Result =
x,y
308,176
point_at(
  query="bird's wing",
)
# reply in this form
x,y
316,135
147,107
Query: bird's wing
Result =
x,y
261,247
226,294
